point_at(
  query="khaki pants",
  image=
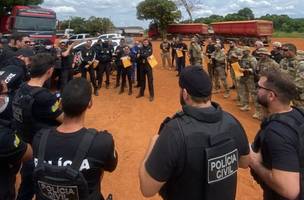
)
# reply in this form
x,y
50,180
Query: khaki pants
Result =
x,y
166,58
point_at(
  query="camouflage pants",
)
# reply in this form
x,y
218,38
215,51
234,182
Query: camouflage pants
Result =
x,y
220,75
236,83
247,87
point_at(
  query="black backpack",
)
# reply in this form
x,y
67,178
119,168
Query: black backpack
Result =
x,y
297,125
63,182
23,120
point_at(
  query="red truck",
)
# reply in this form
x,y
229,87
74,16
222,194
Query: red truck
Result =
x,y
39,23
246,32
180,29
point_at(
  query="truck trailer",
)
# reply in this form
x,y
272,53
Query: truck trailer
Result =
x,y
245,32
188,30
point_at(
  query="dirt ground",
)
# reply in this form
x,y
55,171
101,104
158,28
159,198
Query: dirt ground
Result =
x,y
134,121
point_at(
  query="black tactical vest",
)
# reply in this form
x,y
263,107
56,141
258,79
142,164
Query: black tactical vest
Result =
x,y
209,160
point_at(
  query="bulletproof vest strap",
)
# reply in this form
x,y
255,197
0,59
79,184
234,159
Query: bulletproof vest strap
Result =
x,y
42,146
83,149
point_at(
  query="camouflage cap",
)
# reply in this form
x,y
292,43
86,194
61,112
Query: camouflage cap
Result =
x,y
300,55
246,48
277,44
263,51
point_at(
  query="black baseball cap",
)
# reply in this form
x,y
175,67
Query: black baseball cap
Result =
x,y
12,75
196,81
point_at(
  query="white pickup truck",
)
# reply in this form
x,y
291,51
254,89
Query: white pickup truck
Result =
x,y
78,37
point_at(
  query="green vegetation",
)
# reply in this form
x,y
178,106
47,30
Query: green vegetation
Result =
x,y
288,35
92,25
161,12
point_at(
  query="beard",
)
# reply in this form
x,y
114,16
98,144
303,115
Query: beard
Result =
x,y
262,99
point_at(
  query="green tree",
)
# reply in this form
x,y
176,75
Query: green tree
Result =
x,y
6,5
92,25
161,12
246,13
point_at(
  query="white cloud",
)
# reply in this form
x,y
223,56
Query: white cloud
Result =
x,y
123,12
64,9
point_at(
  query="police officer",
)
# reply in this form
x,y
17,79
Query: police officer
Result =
x,y
195,52
219,59
289,63
275,159
146,70
104,56
66,64
181,49
63,144
173,51
299,80
210,48
276,52
265,60
118,55
127,70
258,44
188,157
165,53
248,64
232,55
136,66
87,57
34,108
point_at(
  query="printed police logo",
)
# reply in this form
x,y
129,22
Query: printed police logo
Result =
x,y
58,192
222,167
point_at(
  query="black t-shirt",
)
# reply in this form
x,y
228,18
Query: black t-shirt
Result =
x,y
12,150
166,163
66,61
45,109
183,47
279,149
61,149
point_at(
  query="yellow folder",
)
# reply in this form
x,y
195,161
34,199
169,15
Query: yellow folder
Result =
x,y
179,53
152,61
126,61
237,69
95,63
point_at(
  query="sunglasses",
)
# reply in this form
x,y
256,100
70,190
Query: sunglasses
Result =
x,y
285,49
27,42
261,87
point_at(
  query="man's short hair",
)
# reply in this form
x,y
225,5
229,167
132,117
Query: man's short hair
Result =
x,y
76,97
40,64
281,84
291,47
19,37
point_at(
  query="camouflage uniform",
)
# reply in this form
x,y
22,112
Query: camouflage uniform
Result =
x,y
232,56
247,84
289,66
266,63
195,54
220,72
299,80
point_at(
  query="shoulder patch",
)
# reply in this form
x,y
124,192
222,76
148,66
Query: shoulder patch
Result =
x,y
55,107
16,141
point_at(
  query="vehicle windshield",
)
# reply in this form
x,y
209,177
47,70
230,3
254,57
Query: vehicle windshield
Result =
x,y
35,23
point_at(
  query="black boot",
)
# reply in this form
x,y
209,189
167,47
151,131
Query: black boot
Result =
x,y
95,91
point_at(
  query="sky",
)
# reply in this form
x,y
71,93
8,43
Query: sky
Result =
x,y
123,12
